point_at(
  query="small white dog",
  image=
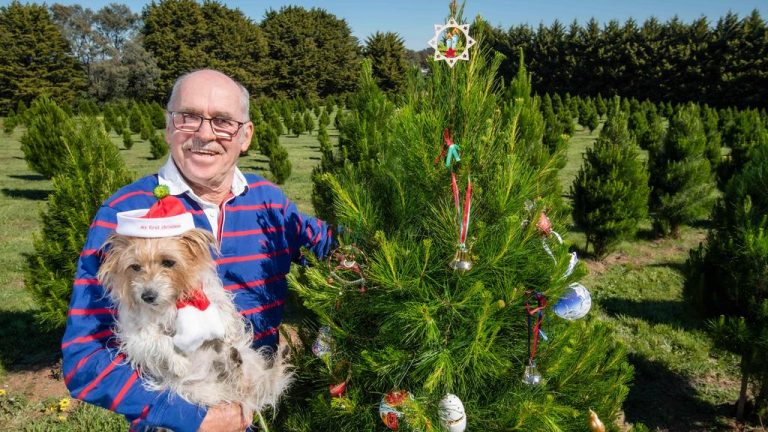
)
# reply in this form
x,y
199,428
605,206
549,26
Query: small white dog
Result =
x,y
207,360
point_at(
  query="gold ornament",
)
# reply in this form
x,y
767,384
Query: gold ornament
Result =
x,y
595,425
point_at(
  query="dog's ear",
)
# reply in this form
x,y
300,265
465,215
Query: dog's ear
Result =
x,y
199,242
113,249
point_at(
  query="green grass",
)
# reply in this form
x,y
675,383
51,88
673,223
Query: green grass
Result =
x,y
682,381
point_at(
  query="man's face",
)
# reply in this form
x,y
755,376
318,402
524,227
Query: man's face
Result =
x,y
205,159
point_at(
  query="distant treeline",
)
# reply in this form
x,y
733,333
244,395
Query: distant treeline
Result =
x,y
70,53
725,64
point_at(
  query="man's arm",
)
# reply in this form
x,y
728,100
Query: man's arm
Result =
x,y
306,231
94,370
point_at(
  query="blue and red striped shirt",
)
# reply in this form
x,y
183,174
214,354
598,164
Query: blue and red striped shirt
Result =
x,y
261,233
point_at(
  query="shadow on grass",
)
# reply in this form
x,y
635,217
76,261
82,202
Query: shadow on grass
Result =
x,y
678,266
663,399
23,343
672,312
30,194
30,177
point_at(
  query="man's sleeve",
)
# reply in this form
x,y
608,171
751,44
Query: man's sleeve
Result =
x,y
94,370
307,231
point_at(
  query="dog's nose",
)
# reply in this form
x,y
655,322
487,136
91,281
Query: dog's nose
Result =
x,y
149,296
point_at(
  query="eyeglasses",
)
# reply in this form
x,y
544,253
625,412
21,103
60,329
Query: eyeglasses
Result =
x,y
221,127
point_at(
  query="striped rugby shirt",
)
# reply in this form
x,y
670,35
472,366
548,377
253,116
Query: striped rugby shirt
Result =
x,y
260,232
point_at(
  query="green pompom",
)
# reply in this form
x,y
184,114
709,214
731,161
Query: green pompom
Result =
x,y
161,191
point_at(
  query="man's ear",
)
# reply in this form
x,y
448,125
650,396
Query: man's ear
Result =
x,y
247,135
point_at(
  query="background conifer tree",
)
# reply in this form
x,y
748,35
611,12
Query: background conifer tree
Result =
x,y
727,276
610,192
419,325
44,144
92,170
35,58
127,139
157,145
743,134
309,122
279,164
682,183
387,54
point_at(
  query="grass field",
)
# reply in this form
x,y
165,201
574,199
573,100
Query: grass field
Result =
x,y
682,383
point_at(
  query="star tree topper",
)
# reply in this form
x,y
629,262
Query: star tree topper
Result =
x,y
448,43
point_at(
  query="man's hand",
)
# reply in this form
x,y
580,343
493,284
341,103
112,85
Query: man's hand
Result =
x,y
226,418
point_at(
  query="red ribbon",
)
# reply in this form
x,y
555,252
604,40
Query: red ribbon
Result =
x,y
465,217
541,302
196,299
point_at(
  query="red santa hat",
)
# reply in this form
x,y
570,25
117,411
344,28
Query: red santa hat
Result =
x,y
166,218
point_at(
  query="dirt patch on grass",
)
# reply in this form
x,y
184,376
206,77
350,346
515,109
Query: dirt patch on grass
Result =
x,y
36,384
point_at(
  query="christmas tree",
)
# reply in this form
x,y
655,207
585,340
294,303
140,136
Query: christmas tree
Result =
x,y
681,178
428,292
610,193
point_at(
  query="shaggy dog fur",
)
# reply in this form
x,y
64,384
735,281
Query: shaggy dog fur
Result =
x,y
145,277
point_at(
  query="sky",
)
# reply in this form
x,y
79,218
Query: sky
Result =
x,y
414,20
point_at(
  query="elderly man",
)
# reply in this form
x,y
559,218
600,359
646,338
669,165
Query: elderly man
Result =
x,y
258,229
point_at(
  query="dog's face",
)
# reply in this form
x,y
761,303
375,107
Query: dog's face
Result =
x,y
155,272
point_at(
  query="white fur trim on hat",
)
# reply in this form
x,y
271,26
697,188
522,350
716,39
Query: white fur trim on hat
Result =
x,y
132,223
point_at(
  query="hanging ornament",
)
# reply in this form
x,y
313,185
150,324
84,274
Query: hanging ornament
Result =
x,y
462,260
341,374
544,226
451,42
531,375
346,265
595,425
337,390
452,414
322,345
575,302
388,408
571,265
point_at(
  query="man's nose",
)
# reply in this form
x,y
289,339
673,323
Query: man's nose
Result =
x,y
205,132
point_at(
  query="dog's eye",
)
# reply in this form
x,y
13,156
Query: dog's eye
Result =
x,y
168,263
135,267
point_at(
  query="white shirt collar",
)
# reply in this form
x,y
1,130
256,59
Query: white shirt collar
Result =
x,y
170,176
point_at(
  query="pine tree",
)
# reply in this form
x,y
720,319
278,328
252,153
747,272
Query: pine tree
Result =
x,y
743,135
610,193
10,121
135,118
419,325
324,120
600,105
387,54
147,130
654,134
44,144
34,59
727,275
682,184
709,120
157,145
309,122
91,172
279,164
297,124
127,139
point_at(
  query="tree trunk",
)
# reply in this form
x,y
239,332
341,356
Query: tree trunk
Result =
x,y
743,392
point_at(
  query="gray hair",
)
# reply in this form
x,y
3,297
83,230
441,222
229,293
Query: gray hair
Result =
x,y
245,97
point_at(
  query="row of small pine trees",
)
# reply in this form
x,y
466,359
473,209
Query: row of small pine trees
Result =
x,y
86,168
615,190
